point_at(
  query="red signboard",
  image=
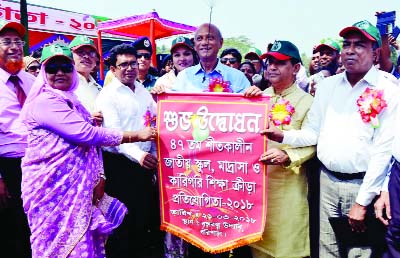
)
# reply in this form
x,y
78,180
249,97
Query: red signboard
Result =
x,y
213,189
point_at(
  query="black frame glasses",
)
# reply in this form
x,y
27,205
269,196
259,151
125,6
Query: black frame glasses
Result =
x,y
125,65
232,60
146,56
54,68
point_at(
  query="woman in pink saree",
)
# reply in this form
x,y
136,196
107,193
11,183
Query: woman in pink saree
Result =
x,y
62,171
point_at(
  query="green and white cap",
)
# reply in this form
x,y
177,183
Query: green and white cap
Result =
x,y
366,28
54,50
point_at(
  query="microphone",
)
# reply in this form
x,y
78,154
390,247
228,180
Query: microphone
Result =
x,y
204,79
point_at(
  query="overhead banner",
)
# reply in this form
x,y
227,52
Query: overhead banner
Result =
x,y
213,189
49,19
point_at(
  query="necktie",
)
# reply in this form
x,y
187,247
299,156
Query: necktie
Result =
x,y
21,96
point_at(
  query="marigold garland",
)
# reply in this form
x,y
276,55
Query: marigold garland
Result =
x,y
370,104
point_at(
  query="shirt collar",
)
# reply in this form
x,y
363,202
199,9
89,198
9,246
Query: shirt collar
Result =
x,y
4,75
284,93
371,77
218,68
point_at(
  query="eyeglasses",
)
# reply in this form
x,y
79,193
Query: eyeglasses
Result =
x,y
8,43
33,68
82,53
232,60
125,65
54,68
145,55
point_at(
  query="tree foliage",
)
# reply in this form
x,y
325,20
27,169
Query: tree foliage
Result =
x,y
306,62
241,43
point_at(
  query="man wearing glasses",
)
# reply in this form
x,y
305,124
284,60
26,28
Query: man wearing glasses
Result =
x,y
15,84
146,75
85,55
131,168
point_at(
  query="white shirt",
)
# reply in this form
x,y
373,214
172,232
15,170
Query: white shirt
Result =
x,y
125,110
87,92
345,143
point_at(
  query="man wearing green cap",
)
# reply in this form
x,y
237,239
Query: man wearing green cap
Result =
x,y
85,57
354,144
15,84
253,56
286,234
329,54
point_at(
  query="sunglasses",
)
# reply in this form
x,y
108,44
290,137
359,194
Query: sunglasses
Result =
x,y
33,68
232,60
54,68
145,55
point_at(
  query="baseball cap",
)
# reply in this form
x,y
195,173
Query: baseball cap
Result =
x,y
330,43
54,50
253,52
80,41
283,50
28,60
143,43
12,25
181,41
366,28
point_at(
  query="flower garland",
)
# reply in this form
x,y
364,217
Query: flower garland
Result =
x,y
219,85
281,112
149,119
370,104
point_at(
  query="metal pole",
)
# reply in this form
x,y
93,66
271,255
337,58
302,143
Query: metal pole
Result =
x,y
24,21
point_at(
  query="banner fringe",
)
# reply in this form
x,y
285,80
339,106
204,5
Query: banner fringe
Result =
x,y
185,237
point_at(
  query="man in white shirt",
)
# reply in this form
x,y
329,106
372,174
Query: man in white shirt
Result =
x,y
354,153
85,57
130,168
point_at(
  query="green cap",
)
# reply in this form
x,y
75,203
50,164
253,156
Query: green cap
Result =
x,y
181,41
253,52
12,25
366,28
55,50
80,41
330,43
283,50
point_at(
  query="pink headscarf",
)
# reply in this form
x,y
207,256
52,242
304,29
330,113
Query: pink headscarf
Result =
x,y
41,85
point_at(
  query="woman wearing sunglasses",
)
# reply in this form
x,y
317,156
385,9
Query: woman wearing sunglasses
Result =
x,y
62,171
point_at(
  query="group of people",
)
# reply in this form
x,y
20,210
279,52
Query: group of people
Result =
x,y
78,161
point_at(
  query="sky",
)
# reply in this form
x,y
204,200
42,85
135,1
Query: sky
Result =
x,y
303,22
